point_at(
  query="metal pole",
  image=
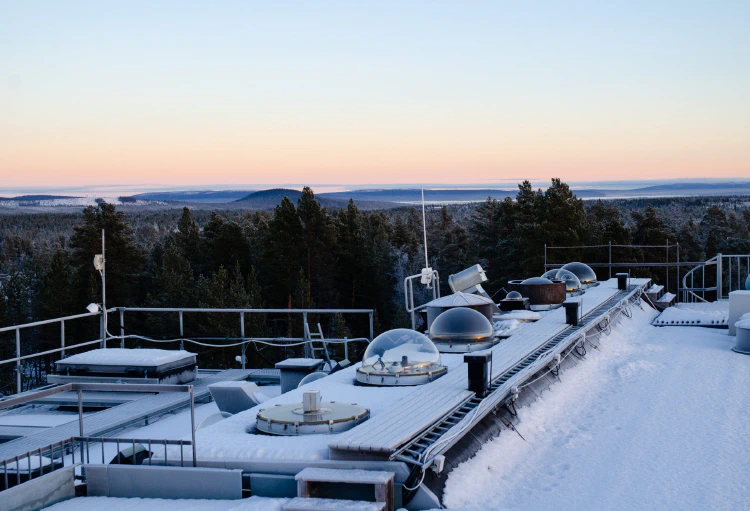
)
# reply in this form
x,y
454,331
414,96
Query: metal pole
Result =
x,y
62,338
18,362
80,413
719,275
610,259
372,330
182,343
192,425
545,258
103,343
104,294
308,351
122,328
666,268
678,269
242,334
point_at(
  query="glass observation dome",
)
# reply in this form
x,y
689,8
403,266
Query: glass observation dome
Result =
x,y
536,281
572,284
550,274
401,357
584,273
461,324
514,295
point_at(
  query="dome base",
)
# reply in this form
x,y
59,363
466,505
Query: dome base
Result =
x,y
465,346
365,376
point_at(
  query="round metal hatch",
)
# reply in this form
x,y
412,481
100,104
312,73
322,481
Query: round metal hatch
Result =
x,y
401,357
584,273
311,417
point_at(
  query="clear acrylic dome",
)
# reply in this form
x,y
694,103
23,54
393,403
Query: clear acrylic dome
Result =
x,y
571,281
536,281
461,323
583,271
550,274
514,295
401,351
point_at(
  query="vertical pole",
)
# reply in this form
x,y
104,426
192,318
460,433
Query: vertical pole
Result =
x,y
104,294
80,414
719,275
545,258
18,362
610,259
182,343
122,328
678,270
62,338
667,267
192,425
309,353
372,330
102,344
242,334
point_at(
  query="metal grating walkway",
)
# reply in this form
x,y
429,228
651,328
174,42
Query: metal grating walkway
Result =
x,y
414,451
106,421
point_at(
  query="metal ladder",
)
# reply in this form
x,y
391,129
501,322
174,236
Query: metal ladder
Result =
x,y
412,451
318,336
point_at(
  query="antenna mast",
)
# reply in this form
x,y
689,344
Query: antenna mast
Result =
x,y
424,230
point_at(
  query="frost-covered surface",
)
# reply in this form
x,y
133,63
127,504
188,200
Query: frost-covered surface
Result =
x,y
229,439
331,475
136,357
118,504
523,315
73,202
744,321
299,363
505,327
329,504
657,419
703,313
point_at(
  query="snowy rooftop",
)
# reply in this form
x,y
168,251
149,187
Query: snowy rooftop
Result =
x,y
128,357
655,419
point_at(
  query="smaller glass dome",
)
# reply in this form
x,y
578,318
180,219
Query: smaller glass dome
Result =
x,y
401,351
461,323
571,281
514,295
583,271
550,274
536,281
312,377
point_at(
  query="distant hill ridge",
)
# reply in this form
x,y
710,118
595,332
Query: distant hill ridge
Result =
x,y
268,199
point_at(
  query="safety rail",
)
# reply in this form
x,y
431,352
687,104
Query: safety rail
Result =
x,y
726,276
105,336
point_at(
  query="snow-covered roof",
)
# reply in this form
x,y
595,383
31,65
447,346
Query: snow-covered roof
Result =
x,y
460,299
135,357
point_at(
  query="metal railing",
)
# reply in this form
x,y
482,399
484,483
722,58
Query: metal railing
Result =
x,y
105,336
51,458
717,276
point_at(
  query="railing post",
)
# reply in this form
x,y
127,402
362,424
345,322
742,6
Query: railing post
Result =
x,y
182,343
122,328
242,334
372,331
610,259
192,425
62,338
719,277
103,344
678,269
308,349
18,362
667,267
545,259
80,414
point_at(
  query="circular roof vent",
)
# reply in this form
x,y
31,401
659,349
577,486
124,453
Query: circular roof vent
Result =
x,y
536,281
311,417
461,324
401,357
572,284
584,273
514,295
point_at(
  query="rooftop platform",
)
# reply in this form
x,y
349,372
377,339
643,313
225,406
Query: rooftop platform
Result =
x,y
398,414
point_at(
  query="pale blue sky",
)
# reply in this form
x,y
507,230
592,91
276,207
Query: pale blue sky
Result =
x,y
366,92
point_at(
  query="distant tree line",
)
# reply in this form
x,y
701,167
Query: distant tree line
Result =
x,y
306,256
